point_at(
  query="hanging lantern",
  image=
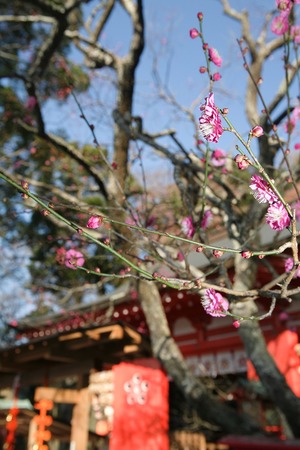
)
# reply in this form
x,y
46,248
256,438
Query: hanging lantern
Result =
x,y
42,421
11,425
11,418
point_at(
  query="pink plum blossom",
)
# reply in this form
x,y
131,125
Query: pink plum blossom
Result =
x,y
214,56
214,303
206,219
295,33
74,258
218,157
94,222
187,227
277,217
210,122
283,5
262,191
280,24
297,146
289,264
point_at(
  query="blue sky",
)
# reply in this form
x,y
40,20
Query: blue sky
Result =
x,y
178,59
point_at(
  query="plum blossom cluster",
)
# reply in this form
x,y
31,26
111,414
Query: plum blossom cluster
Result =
x,y
262,191
188,227
277,216
280,24
214,303
212,54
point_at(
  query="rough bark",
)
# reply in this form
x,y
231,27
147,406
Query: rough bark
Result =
x,y
167,351
273,381
256,349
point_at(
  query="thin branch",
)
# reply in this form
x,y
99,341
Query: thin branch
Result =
x,y
70,150
25,18
242,17
285,83
103,20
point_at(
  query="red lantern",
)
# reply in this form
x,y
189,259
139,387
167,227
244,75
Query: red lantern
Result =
x,y
43,421
11,425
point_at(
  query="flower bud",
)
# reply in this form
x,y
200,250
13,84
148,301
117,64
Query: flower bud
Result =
x,y
216,76
257,131
25,185
246,254
218,253
194,33
94,222
242,161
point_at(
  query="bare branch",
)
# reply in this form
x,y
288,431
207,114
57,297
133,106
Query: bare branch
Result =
x,y
109,5
70,150
242,17
25,19
285,83
135,10
96,56
47,49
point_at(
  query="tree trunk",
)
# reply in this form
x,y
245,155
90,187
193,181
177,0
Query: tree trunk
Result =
x,y
256,349
167,351
273,381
